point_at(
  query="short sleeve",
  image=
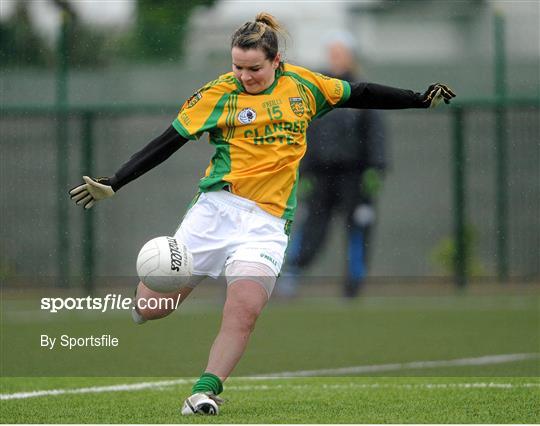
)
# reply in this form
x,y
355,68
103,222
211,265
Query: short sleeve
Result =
x,y
201,112
335,91
327,92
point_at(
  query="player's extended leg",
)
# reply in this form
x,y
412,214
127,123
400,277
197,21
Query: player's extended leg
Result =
x,y
151,305
247,294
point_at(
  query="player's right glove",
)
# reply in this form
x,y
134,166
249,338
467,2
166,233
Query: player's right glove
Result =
x,y
91,191
436,93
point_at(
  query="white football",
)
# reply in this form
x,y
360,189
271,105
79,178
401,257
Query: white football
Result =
x,y
164,264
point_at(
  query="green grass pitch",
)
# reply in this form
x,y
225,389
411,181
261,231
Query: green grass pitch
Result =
x,y
157,362
305,400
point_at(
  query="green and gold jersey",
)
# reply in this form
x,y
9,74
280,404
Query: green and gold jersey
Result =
x,y
259,139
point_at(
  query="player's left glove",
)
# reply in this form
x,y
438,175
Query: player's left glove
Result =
x,y
436,93
91,191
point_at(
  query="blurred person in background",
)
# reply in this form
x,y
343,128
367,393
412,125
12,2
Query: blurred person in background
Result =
x,y
239,222
342,171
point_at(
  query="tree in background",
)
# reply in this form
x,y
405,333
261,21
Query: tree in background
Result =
x,y
161,27
158,34
20,44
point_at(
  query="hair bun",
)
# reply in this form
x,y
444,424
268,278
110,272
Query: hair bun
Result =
x,y
267,19
263,33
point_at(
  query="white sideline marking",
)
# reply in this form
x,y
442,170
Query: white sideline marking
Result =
x,y
462,362
484,360
96,389
477,385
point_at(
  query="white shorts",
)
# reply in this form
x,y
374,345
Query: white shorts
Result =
x,y
221,228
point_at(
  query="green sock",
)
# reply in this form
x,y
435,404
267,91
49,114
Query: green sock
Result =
x,y
208,382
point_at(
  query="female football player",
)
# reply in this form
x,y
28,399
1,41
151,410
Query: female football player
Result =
x,y
256,116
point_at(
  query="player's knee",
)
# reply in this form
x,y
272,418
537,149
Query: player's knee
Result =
x,y
241,310
250,285
241,321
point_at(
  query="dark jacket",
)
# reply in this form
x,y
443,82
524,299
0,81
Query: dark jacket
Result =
x,y
345,139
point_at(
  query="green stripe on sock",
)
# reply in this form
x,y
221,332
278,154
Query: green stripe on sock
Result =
x,y
208,382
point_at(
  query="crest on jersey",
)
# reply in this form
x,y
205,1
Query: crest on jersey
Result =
x,y
297,106
247,115
194,99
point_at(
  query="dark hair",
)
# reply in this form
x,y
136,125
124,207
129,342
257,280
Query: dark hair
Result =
x,y
261,34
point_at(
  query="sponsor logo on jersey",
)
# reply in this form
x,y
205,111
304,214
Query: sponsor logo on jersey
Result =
x,y
194,99
247,115
297,106
281,133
